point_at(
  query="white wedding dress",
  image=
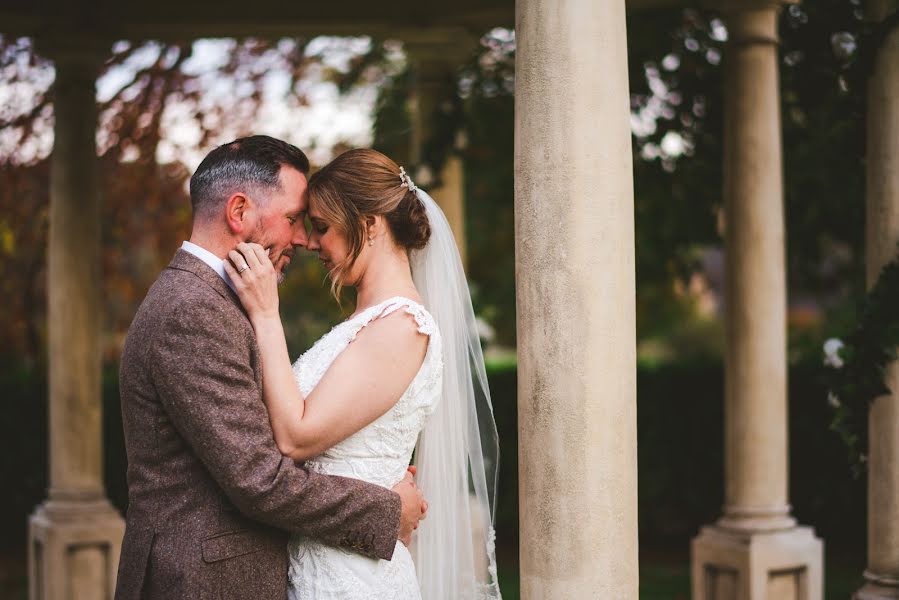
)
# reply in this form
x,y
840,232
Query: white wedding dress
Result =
x,y
379,453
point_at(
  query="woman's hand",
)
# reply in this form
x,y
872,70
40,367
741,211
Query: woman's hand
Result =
x,y
255,280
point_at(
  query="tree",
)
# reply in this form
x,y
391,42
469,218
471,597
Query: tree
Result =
x,y
160,107
675,58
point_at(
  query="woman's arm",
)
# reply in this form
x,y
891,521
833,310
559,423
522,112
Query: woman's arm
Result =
x,y
362,384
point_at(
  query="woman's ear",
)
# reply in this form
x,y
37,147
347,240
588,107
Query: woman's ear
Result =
x,y
237,210
372,225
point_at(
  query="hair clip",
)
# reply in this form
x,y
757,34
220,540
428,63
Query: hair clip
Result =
x,y
406,181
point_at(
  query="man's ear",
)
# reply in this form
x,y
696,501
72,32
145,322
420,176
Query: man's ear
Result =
x,y
237,213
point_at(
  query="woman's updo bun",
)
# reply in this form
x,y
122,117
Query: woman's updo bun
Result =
x,y
409,222
362,183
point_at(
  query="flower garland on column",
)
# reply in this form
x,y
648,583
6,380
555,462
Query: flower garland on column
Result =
x,y
855,368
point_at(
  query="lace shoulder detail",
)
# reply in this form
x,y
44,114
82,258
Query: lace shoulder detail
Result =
x,y
423,318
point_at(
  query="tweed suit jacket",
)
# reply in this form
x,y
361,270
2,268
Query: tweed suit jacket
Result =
x,y
211,499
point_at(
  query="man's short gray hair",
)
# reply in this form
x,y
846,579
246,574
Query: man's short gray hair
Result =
x,y
251,165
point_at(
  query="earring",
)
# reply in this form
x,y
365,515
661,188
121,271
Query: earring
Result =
x,y
371,241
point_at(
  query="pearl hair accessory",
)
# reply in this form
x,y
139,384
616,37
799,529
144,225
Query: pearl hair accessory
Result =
x,y
406,180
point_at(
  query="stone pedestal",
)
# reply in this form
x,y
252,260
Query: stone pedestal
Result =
x,y
73,550
75,536
772,565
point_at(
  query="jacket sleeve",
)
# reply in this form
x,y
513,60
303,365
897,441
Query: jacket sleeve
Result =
x,y
202,362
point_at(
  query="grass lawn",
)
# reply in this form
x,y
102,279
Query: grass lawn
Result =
x,y
667,579
660,579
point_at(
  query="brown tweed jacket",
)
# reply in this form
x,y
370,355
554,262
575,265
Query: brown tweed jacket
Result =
x,y
210,497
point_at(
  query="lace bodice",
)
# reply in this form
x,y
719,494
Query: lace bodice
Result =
x,y
380,452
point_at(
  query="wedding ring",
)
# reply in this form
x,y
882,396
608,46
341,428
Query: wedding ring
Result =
x,y
243,268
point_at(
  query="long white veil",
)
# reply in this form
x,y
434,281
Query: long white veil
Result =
x,y
457,454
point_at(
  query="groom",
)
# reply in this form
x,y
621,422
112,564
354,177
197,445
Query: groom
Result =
x,y
211,500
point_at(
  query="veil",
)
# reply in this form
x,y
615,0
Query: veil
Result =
x,y
457,453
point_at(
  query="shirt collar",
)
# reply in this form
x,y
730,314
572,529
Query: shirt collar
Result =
x,y
214,262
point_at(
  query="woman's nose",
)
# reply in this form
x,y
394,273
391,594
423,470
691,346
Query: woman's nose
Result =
x,y
300,237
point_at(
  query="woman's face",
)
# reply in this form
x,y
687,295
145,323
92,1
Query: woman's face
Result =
x,y
329,243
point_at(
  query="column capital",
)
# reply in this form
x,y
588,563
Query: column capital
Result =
x,y
752,21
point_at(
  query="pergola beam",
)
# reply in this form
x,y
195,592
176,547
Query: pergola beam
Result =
x,y
174,20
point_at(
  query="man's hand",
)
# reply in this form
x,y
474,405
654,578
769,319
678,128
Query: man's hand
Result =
x,y
413,506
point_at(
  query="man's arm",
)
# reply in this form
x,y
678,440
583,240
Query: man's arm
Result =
x,y
201,362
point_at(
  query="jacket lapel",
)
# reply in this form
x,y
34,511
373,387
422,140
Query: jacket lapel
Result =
x,y
185,261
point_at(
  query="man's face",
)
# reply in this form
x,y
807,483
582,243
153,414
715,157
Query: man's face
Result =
x,y
282,219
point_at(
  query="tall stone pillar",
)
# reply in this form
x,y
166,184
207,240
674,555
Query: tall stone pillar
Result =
x,y
75,535
882,235
755,551
434,66
574,249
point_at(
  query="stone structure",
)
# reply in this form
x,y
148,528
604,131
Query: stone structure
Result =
x,y
434,70
755,551
574,247
882,236
75,536
575,286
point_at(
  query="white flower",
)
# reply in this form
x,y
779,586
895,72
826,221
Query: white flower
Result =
x,y
832,353
485,331
424,175
833,400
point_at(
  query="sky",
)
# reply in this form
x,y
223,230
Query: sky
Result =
x,y
323,119
314,115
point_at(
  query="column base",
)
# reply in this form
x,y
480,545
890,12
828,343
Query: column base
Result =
x,y
73,550
877,588
757,565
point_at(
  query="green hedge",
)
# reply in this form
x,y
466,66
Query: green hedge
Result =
x,y
680,419
680,446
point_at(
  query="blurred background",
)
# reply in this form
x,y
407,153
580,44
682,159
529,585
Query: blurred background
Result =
x,y
163,105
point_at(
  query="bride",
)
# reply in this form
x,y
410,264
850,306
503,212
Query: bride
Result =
x,y
403,374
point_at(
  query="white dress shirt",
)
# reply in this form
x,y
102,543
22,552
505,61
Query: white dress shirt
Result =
x,y
214,262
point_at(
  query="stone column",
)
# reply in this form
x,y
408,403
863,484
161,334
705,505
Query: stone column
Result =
x,y
882,235
574,248
75,535
434,66
755,551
